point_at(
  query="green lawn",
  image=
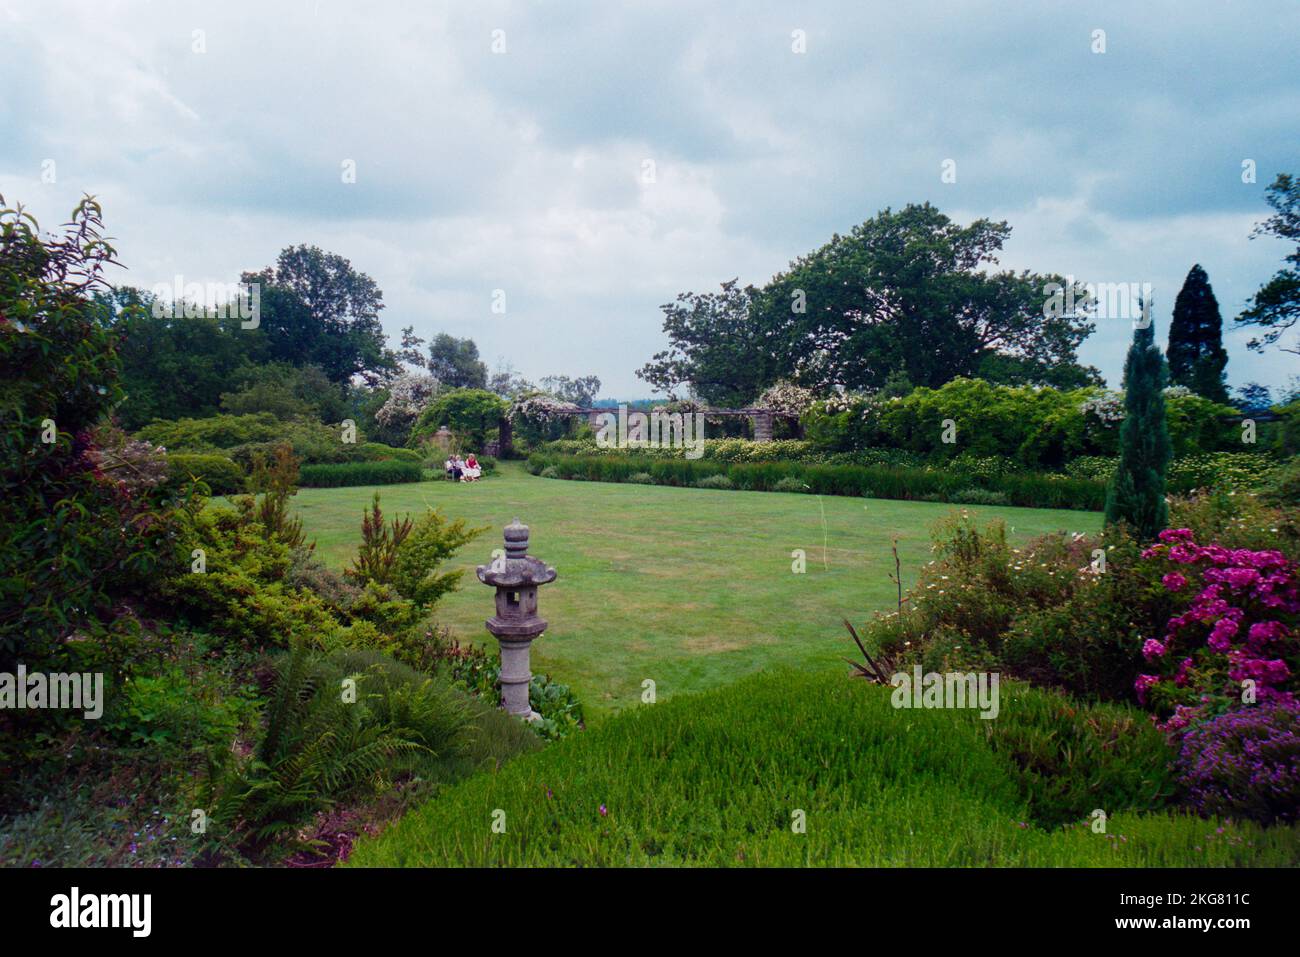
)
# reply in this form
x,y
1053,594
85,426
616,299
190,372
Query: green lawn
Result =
x,y
691,588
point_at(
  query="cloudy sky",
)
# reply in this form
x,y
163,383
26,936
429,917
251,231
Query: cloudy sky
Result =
x,y
505,146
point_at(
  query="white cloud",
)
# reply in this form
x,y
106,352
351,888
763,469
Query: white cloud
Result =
x,y
521,171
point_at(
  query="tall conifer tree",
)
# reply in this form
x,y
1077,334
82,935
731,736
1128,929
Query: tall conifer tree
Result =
x,y
1137,492
1196,354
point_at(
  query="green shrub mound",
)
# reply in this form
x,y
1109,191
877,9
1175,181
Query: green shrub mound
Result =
x,y
978,496
378,452
724,778
1024,489
1284,485
360,473
222,475
473,414
243,437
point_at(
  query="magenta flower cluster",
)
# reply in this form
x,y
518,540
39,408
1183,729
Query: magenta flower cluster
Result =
x,y
1238,630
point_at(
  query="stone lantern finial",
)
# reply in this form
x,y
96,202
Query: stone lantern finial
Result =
x,y
516,623
516,540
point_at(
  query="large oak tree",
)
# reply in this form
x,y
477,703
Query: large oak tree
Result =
x,y
317,309
907,293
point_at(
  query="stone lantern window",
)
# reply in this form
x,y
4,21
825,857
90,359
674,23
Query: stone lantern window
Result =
x,y
516,577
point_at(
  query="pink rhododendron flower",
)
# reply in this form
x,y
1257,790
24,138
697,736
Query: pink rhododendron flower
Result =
x,y
1143,684
1263,632
1152,649
1266,672
1238,621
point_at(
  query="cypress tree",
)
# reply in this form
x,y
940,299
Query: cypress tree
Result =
x,y
1137,492
1196,354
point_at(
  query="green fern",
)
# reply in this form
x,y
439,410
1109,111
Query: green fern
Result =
x,y
319,748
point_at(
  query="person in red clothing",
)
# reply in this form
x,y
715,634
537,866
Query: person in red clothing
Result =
x,y
471,471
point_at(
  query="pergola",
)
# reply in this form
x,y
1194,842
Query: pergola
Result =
x,y
762,418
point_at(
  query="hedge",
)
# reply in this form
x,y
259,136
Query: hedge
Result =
x,y
1029,490
221,474
1037,428
359,473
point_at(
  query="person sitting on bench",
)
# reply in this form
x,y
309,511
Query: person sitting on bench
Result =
x,y
472,471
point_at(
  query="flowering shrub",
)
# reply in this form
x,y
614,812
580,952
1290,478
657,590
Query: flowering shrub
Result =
x,y
540,407
409,395
1100,467
1243,471
685,407
1106,406
785,397
1237,520
1245,763
1229,470
1037,428
537,417
1234,642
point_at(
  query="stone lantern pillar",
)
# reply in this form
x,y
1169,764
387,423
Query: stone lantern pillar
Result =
x,y
516,623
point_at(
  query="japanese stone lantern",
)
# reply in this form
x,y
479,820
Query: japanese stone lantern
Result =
x,y
516,623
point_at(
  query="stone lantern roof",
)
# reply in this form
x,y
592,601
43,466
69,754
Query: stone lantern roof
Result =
x,y
518,569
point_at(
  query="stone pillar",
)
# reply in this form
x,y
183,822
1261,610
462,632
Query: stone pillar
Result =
x,y
516,674
593,418
516,624
762,426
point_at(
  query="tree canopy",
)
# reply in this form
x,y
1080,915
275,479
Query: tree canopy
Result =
x,y
580,391
455,363
905,293
317,309
1275,307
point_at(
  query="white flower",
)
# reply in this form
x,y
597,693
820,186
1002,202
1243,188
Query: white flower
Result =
x,y
408,396
540,407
